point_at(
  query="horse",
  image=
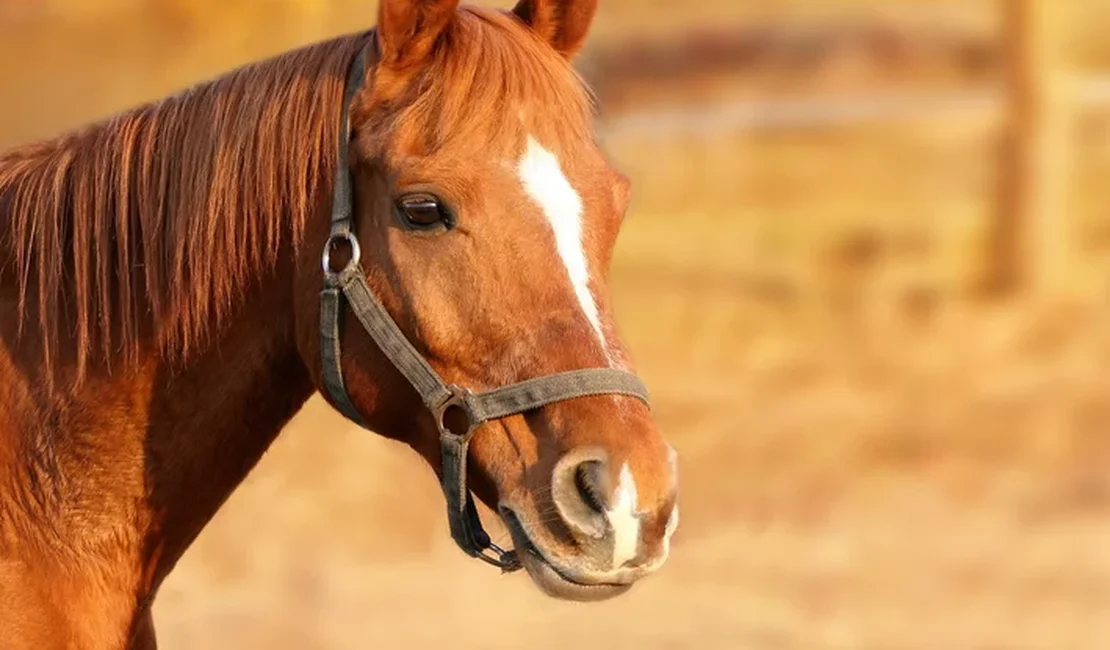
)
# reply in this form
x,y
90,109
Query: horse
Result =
x,y
415,221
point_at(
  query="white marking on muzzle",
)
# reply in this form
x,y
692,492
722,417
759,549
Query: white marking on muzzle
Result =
x,y
547,185
672,521
672,525
623,519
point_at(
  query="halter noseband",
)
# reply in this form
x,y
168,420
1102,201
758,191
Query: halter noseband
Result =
x,y
439,398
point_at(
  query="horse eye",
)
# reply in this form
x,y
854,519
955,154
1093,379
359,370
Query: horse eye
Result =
x,y
422,210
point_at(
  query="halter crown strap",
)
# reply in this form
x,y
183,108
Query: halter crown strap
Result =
x,y
349,285
342,208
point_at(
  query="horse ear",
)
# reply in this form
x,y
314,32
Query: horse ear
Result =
x,y
408,29
562,23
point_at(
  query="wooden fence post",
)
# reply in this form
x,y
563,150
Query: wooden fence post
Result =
x,y
1032,225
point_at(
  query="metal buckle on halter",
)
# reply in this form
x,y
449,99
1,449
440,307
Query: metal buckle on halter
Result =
x,y
356,255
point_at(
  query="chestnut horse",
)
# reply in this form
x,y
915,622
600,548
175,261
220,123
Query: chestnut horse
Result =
x,y
165,313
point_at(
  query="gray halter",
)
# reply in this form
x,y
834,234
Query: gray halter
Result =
x,y
439,398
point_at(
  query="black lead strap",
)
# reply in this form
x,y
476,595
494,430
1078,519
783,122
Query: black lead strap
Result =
x,y
349,287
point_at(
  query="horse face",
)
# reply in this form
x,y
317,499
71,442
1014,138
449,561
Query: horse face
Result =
x,y
488,216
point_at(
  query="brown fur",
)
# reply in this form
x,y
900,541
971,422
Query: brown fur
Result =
x,y
465,93
159,283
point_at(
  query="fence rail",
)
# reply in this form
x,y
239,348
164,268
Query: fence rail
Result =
x,y
1033,104
984,103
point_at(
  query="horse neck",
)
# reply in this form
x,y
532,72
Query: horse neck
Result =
x,y
135,463
211,422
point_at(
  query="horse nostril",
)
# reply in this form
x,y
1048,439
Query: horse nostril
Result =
x,y
591,480
580,492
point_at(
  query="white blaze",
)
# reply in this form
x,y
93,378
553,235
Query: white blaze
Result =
x,y
545,183
622,516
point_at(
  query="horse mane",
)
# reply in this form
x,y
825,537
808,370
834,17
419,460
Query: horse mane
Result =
x,y
162,214
153,222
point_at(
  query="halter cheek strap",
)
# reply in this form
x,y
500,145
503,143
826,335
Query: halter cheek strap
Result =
x,y
458,412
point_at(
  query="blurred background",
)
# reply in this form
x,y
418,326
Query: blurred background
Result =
x,y
865,275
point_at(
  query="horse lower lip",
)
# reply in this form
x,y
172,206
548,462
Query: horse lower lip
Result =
x,y
525,545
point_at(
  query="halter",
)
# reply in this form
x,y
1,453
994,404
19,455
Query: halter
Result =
x,y
447,403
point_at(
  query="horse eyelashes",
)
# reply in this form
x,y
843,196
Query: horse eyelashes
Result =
x,y
422,211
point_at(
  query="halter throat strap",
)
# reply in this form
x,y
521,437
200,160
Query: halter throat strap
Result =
x,y
457,411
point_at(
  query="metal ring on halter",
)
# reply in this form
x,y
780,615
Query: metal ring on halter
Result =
x,y
356,254
456,400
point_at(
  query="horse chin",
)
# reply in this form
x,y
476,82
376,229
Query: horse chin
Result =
x,y
548,577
